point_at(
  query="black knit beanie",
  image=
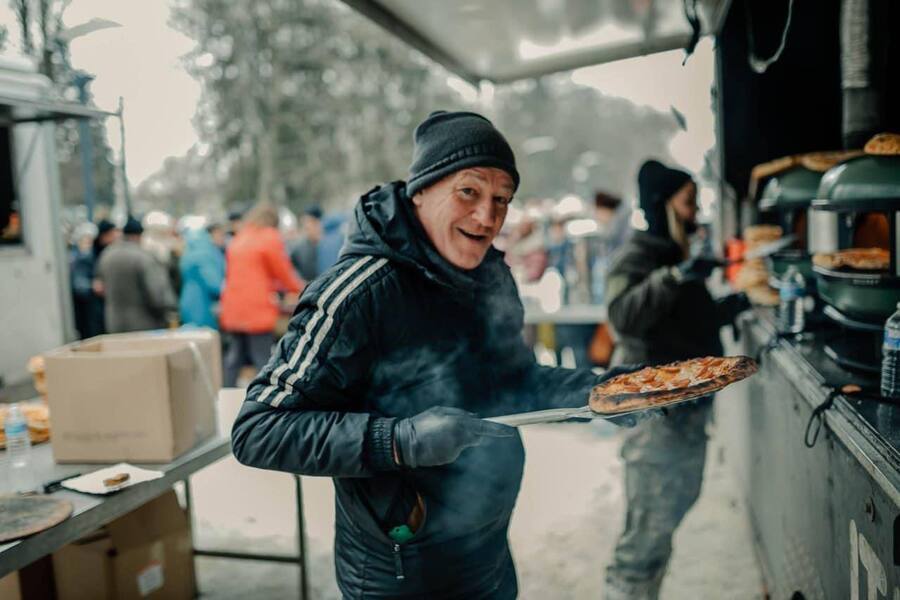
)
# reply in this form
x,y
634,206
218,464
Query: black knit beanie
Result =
x,y
447,142
656,184
133,227
104,225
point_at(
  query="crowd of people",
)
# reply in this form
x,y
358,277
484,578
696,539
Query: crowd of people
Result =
x,y
573,247
239,276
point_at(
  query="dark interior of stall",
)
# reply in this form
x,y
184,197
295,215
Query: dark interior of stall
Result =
x,y
799,103
795,106
7,190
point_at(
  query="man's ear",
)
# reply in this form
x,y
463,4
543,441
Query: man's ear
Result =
x,y
418,198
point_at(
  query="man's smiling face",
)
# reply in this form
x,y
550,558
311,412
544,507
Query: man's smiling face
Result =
x,y
463,213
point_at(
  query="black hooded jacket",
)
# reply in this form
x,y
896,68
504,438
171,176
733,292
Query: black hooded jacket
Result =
x,y
656,318
388,332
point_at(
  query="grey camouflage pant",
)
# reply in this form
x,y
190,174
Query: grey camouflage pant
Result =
x,y
664,459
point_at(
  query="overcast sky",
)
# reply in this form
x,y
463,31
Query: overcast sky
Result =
x,y
140,62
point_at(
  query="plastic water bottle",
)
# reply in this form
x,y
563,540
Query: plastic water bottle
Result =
x,y
890,357
792,311
18,449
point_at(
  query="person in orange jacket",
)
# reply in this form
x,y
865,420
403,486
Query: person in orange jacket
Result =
x,y
257,267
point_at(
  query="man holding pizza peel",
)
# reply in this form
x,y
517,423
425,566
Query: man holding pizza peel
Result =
x,y
661,312
391,358
393,362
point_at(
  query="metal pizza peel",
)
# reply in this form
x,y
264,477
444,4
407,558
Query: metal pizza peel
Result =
x,y
767,249
638,403
555,415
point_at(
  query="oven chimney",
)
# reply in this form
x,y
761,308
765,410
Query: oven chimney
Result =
x,y
864,58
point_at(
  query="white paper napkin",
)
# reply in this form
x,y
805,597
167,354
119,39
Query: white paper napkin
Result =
x,y
92,483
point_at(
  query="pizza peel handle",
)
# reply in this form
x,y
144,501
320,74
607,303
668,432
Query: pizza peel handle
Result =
x,y
554,415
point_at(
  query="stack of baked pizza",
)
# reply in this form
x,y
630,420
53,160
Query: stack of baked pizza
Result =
x,y
37,416
753,278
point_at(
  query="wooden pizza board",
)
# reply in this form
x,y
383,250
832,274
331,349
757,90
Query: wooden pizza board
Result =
x,y
21,516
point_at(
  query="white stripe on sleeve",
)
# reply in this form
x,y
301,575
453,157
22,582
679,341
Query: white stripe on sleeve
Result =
x,y
308,332
323,331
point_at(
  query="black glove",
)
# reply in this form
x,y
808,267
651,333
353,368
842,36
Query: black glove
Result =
x,y
696,268
730,306
438,435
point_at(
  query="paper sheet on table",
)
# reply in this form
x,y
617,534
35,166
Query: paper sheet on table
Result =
x,y
92,483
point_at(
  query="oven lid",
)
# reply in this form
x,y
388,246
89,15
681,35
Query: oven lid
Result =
x,y
864,183
790,190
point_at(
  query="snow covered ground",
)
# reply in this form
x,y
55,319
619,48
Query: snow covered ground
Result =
x,y
566,522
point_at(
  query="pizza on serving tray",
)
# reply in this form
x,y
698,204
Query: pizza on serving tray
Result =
x,y
864,259
653,387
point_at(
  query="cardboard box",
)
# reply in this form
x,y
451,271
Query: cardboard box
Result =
x,y
145,397
208,343
33,582
145,554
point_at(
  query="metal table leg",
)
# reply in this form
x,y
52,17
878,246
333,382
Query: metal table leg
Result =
x,y
189,508
301,539
299,559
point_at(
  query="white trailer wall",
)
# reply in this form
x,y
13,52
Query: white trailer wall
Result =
x,y
35,313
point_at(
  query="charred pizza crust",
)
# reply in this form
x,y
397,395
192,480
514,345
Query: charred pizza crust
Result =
x,y
653,387
864,259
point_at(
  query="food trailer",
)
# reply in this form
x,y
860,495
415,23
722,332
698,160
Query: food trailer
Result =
x,y
818,461
35,302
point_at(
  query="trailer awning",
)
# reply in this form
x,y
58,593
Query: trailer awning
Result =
x,y
27,110
506,40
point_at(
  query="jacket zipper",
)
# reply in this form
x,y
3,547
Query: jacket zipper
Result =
x,y
398,563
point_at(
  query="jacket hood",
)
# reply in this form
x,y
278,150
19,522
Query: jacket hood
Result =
x,y
384,224
197,238
198,245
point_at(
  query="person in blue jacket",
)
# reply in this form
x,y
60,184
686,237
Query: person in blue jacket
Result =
x,y
202,274
334,234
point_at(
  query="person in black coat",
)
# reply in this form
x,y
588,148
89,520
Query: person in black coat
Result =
x,y
81,275
107,234
391,359
661,311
